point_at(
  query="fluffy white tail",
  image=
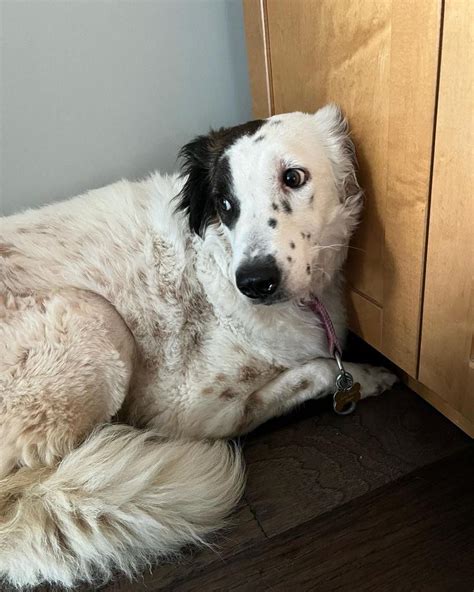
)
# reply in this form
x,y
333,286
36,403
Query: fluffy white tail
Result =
x,y
118,501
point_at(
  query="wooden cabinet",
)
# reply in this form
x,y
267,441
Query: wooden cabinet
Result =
x,y
393,66
447,338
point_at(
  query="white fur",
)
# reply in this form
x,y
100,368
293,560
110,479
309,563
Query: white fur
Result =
x,y
111,291
118,501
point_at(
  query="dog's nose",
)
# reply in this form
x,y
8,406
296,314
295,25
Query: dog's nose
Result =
x,y
258,278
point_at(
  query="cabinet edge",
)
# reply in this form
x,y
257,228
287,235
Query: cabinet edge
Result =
x,y
438,403
258,57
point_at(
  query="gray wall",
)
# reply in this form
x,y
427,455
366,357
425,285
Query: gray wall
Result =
x,y
93,91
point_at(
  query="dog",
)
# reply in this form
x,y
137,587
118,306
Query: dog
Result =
x,y
144,323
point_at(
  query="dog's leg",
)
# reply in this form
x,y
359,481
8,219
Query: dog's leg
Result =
x,y
65,366
310,381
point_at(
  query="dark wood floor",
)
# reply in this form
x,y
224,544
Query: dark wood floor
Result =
x,y
382,500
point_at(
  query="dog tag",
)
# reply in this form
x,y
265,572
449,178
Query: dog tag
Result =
x,y
346,395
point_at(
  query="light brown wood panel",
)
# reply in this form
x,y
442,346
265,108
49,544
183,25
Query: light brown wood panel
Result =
x,y
378,59
365,318
414,61
340,51
447,350
258,57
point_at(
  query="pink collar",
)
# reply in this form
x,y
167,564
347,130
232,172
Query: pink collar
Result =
x,y
316,306
347,393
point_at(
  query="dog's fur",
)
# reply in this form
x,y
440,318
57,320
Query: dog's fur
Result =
x,y
124,301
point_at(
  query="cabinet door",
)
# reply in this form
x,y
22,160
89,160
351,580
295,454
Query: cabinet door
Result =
x,y
378,59
447,344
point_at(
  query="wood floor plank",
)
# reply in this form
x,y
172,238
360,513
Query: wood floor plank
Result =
x,y
306,468
414,535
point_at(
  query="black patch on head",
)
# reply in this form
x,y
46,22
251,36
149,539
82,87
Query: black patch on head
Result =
x,y
292,245
286,206
308,269
272,222
209,178
259,138
275,207
223,191
303,235
289,259
308,236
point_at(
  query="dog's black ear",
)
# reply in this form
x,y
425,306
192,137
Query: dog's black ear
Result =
x,y
196,198
201,158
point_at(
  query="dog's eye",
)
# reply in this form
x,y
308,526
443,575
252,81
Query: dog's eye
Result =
x,y
294,178
225,204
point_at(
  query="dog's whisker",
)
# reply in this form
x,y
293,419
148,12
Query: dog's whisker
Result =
x,y
322,247
315,267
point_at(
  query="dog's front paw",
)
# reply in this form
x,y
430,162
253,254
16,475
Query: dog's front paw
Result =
x,y
374,380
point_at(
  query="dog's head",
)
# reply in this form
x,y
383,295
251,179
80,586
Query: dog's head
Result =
x,y
284,193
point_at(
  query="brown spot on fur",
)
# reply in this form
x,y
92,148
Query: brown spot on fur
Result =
x,y
7,250
208,390
197,338
252,404
220,377
228,394
104,521
24,356
150,363
302,385
248,373
60,538
82,524
35,229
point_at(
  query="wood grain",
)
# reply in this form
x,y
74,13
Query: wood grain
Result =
x,y
416,534
378,60
258,57
339,51
442,404
415,39
312,466
447,356
365,318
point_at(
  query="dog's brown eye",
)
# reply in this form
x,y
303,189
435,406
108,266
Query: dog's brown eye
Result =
x,y
225,204
294,178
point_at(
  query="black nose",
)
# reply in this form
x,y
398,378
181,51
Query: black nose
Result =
x,y
258,278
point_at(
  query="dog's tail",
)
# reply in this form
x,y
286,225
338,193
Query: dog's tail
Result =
x,y
120,500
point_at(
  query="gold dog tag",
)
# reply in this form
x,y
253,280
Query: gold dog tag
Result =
x,y
345,400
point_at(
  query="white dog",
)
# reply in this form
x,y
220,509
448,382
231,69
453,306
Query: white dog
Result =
x,y
176,303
